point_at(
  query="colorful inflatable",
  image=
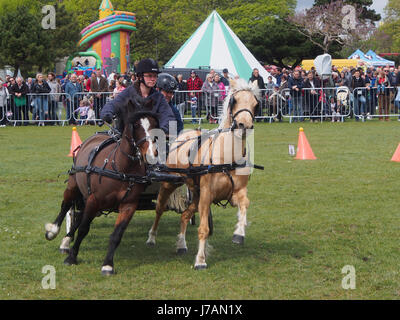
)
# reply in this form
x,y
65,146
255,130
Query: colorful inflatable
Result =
x,y
108,39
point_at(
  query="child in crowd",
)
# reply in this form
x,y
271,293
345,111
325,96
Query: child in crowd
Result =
x,y
334,109
91,116
83,110
193,102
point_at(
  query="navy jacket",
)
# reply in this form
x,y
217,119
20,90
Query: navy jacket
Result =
x,y
295,82
160,106
179,121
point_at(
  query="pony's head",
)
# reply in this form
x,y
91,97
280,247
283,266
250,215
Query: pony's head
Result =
x,y
240,105
140,120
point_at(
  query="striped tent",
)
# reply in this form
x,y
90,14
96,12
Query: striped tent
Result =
x,y
214,44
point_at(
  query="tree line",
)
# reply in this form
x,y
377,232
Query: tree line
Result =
x,y
162,27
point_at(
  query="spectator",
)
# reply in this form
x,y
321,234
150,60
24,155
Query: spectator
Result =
x,y
29,83
347,78
83,110
270,84
398,77
312,84
20,90
370,79
382,83
296,85
274,99
255,76
99,84
225,77
41,89
194,83
210,88
72,89
3,102
335,110
55,95
120,86
359,95
193,107
221,90
397,102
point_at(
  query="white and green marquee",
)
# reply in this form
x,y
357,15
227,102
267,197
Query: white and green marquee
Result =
x,y
214,44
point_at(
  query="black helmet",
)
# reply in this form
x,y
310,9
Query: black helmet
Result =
x,y
166,82
147,65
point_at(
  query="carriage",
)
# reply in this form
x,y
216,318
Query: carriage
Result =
x,y
110,171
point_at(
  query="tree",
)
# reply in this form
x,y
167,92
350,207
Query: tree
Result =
x,y
331,24
366,12
25,44
279,43
164,25
391,24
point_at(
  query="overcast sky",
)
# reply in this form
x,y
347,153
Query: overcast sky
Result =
x,y
378,5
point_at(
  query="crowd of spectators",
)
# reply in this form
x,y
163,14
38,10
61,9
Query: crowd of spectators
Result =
x,y
361,92
44,99
371,92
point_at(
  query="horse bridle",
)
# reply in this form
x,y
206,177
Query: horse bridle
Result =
x,y
135,146
232,102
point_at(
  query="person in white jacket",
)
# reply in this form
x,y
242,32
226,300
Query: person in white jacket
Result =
x,y
4,94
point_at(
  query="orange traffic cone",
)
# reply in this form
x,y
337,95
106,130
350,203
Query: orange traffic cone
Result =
x,y
396,155
75,143
304,151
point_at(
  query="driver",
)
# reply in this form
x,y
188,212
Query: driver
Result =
x,y
147,72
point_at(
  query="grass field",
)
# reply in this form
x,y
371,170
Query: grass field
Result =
x,y
307,220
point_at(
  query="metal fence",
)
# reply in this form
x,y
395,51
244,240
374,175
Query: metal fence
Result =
x,y
194,106
87,106
34,108
376,102
314,104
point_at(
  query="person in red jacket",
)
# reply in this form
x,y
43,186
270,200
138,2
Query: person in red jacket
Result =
x,y
195,83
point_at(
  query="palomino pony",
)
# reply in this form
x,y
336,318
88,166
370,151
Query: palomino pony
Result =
x,y
209,172
109,173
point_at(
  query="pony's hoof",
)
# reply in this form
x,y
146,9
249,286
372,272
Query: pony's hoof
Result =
x,y
151,244
69,261
238,239
52,231
181,251
201,266
107,271
64,251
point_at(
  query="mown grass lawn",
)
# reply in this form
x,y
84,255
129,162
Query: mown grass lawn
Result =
x,y
307,220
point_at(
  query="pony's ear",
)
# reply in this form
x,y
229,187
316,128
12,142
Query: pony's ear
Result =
x,y
254,84
232,83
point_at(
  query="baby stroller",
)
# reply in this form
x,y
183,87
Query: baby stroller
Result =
x,y
342,98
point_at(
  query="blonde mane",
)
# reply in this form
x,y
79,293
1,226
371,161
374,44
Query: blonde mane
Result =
x,y
236,86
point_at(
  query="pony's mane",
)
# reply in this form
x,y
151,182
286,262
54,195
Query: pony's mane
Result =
x,y
239,85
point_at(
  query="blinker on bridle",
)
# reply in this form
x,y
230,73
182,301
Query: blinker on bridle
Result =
x,y
135,145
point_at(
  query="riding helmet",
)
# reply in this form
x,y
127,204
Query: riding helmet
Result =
x,y
166,82
147,65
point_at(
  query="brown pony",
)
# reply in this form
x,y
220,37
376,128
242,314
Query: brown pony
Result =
x,y
108,174
214,149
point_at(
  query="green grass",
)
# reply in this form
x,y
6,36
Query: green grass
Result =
x,y
307,219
